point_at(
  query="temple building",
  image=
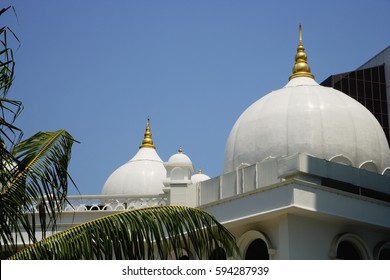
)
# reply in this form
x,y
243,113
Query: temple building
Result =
x,y
306,175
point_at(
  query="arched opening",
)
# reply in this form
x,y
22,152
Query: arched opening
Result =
x,y
349,246
257,250
255,245
348,251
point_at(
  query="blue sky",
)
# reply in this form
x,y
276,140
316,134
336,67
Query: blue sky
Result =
x,y
100,68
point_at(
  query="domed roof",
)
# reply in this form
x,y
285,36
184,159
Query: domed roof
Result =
x,y
142,175
199,177
304,117
180,157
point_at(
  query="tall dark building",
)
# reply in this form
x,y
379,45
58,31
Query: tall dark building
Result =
x,y
370,85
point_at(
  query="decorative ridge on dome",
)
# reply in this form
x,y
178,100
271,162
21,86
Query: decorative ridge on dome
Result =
x,y
148,141
301,67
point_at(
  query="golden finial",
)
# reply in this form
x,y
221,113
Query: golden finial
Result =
x,y
180,151
301,68
148,141
200,171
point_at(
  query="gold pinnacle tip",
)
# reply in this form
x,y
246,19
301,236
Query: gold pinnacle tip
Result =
x,y
147,142
301,67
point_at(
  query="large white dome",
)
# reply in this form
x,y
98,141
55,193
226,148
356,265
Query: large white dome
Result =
x,y
142,175
304,117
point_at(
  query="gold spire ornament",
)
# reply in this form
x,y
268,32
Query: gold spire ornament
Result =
x,y
301,68
148,141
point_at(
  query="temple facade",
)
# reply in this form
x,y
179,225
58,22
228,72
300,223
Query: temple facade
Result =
x,y
306,176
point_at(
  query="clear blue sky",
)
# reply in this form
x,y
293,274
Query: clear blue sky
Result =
x,y
99,68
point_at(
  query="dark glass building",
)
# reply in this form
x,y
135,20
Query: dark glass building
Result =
x,y
370,85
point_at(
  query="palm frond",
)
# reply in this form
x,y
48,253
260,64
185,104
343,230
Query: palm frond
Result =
x,y
146,233
39,184
9,109
7,62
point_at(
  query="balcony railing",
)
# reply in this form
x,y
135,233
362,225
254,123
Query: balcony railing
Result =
x,y
84,203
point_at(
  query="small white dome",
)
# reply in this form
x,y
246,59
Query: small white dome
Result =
x,y
180,157
142,175
199,177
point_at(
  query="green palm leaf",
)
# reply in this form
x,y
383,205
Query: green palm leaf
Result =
x,y
9,109
147,233
7,63
38,183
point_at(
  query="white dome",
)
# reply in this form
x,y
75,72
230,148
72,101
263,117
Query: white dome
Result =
x,y
199,177
304,117
180,158
142,175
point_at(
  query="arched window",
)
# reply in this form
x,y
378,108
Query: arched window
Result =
x,y
254,245
346,250
257,250
349,246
